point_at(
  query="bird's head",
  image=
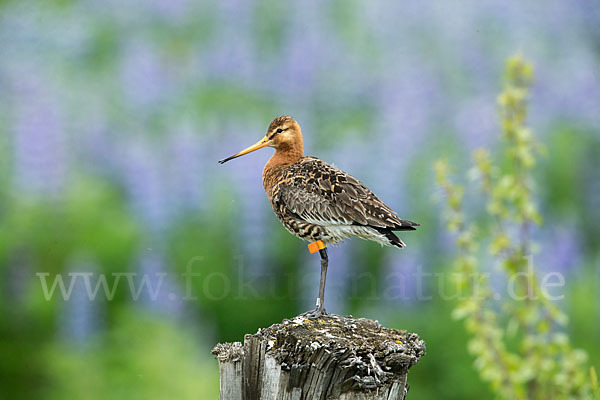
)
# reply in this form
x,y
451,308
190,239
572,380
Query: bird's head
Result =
x,y
283,134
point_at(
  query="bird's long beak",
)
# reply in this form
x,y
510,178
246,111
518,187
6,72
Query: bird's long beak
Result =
x,y
263,143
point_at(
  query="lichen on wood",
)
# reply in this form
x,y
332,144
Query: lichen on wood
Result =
x,y
335,357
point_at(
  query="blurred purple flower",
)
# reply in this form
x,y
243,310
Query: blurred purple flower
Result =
x,y
172,10
184,167
560,250
143,78
476,123
161,293
231,55
556,98
39,141
405,279
81,316
295,72
404,120
406,104
144,180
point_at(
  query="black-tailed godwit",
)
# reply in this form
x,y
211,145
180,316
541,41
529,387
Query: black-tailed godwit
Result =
x,y
318,202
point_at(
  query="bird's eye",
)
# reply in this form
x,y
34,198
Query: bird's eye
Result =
x,y
279,130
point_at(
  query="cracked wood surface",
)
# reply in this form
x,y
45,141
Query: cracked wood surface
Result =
x,y
335,357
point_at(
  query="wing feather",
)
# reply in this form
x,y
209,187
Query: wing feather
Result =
x,y
322,194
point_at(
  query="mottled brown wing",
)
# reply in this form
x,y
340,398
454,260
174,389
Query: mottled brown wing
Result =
x,y
322,194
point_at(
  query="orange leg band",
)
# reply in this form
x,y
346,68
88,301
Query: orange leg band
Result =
x,y
316,246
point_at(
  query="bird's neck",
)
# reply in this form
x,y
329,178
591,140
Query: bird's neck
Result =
x,y
283,157
286,154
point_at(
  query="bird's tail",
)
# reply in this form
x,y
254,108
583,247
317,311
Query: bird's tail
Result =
x,y
393,239
406,225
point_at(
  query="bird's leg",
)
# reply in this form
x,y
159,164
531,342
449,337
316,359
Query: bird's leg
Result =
x,y
320,310
321,300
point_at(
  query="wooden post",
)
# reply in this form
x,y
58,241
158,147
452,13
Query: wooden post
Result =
x,y
336,357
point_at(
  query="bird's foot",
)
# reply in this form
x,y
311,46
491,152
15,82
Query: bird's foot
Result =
x,y
317,313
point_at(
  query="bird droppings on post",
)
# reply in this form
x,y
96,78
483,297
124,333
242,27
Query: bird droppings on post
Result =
x,y
335,357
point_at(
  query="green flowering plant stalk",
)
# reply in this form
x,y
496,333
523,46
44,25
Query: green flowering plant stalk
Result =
x,y
519,342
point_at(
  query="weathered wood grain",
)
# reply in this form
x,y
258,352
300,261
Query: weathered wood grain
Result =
x,y
336,357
